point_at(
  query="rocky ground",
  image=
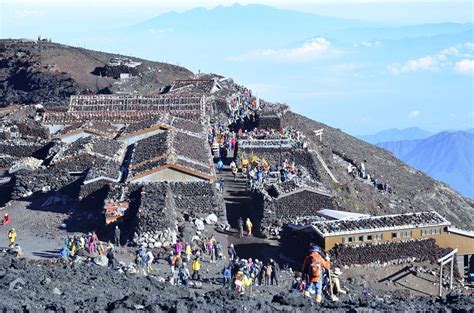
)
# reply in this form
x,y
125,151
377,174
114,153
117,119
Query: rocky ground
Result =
x,y
53,286
45,72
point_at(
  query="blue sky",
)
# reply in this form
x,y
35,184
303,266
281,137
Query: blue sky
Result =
x,y
376,65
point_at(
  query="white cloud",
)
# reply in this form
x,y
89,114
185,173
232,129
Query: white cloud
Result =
x,y
414,114
368,44
427,63
310,50
438,61
29,13
160,30
465,66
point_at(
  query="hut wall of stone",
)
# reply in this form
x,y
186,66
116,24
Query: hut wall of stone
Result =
x,y
295,244
276,212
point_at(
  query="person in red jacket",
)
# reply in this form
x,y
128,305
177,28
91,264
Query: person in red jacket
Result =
x,y
6,219
313,270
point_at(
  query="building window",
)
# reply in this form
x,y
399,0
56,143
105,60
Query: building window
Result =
x,y
395,235
361,238
430,231
406,233
350,239
369,237
378,236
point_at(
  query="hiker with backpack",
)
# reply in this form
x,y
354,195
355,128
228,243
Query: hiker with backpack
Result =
x,y
183,274
227,274
313,270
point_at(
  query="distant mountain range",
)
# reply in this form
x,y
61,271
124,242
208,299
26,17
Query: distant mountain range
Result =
x,y
396,134
446,156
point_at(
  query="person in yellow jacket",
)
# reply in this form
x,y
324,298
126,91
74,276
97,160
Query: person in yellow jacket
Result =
x,y
12,238
249,225
196,267
188,251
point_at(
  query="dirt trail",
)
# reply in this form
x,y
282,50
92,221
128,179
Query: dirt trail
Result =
x,y
239,203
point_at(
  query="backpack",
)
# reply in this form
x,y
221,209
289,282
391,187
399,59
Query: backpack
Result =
x,y
314,268
183,274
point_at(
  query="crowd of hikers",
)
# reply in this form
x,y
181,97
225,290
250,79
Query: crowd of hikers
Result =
x,y
316,278
85,245
243,107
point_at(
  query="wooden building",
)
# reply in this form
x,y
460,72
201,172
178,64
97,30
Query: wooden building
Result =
x,y
388,228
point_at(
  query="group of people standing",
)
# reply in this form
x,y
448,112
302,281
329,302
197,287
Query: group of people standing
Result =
x,y
82,245
243,274
248,226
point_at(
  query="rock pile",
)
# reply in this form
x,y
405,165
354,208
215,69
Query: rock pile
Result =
x,y
48,286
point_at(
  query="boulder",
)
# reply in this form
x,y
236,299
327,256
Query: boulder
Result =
x,y
199,224
101,260
211,219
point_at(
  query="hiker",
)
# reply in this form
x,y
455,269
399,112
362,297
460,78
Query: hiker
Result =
x,y
101,248
220,165
65,253
249,225
218,249
234,169
11,237
231,252
312,269
268,273
6,219
111,257
178,247
149,257
117,236
227,274
196,267
17,250
275,268
176,262
238,281
336,284
221,184
140,257
183,274
188,251
241,227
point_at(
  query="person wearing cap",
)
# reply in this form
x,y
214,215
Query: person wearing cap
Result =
x,y
12,237
336,284
6,219
312,269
